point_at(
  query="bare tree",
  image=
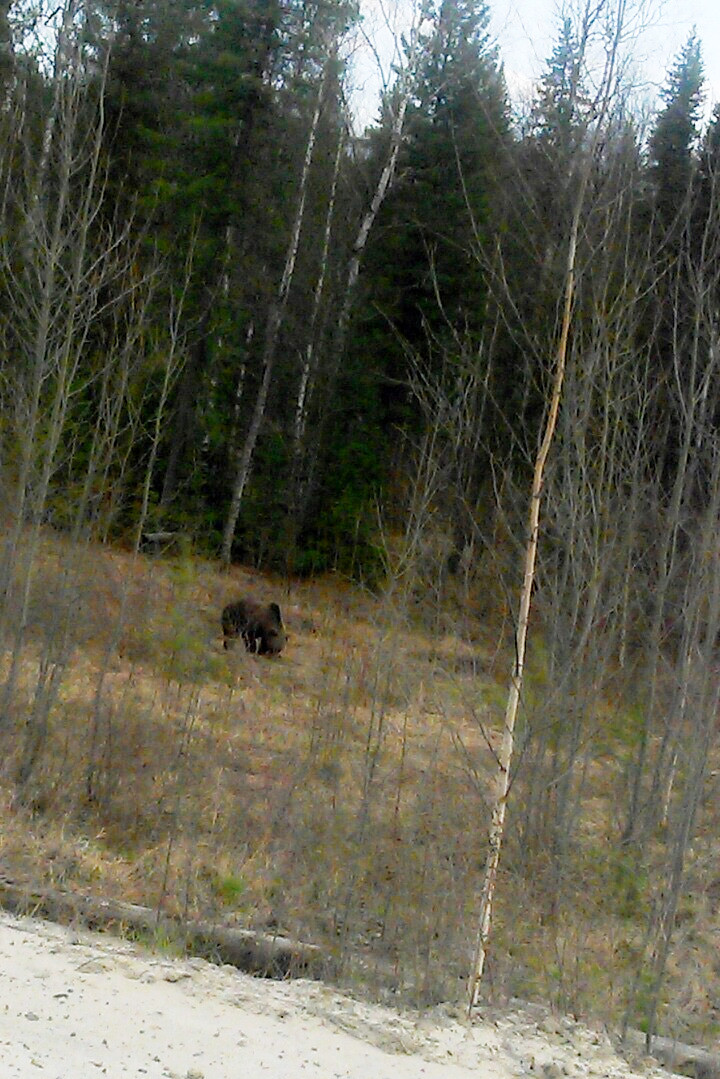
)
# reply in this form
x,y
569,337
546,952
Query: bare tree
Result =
x,y
596,120
55,291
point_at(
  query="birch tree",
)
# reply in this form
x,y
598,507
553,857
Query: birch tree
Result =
x,y
395,105
55,297
79,286
272,331
607,24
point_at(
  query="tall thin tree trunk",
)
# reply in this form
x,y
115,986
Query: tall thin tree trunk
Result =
x,y
505,755
305,384
637,815
181,421
274,323
499,808
383,185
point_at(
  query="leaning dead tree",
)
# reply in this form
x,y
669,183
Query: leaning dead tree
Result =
x,y
610,20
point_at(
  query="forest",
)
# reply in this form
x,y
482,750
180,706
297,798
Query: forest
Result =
x,y
231,322
228,315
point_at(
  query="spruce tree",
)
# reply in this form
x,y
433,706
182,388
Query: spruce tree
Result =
x,y
428,276
675,137
425,281
674,156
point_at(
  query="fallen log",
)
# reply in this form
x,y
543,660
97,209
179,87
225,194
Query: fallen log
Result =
x,y
256,953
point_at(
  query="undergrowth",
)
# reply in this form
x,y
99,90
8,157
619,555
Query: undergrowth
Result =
x,y
338,793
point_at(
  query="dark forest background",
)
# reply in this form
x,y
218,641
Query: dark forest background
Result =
x,y
226,314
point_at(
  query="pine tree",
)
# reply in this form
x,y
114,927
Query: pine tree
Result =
x,y
706,198
674,155
558,127
674,140
441,209
425,288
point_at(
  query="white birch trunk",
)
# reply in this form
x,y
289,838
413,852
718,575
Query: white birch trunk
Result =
x,y
497,822
386,178
275,318
308,367
499,806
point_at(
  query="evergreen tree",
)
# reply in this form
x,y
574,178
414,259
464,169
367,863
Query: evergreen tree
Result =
x,y
558,127
674,161
7,60
674,140
557,120
424,282
226,187
706,201
533,224
429,275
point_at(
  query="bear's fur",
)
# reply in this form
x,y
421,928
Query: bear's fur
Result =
x,y
259,624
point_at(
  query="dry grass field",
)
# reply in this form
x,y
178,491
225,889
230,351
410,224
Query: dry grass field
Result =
x,y
336,793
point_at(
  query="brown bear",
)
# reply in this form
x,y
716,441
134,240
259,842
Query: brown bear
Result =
x,y
259,624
